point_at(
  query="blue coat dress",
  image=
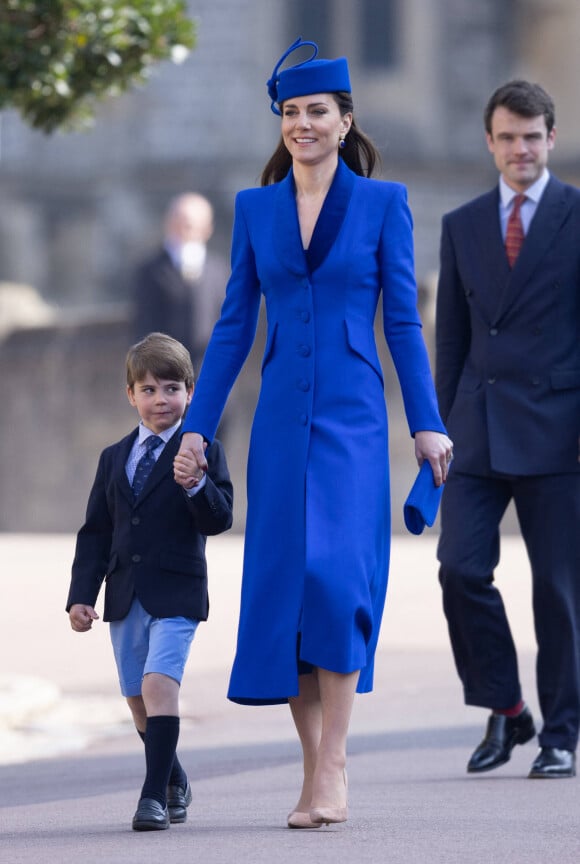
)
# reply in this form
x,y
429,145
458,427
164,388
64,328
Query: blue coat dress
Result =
x,y
318,521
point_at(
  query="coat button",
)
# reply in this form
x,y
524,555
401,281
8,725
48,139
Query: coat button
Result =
x,y
491,380
303,385
135,559
494,331
305,316
304,350
135,520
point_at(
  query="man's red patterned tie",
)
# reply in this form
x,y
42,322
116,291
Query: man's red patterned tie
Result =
x,y
515,232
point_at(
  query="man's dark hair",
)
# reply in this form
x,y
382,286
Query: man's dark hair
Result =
x,y
523,98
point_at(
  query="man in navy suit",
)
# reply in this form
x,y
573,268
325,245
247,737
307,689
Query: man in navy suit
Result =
x,y
508,382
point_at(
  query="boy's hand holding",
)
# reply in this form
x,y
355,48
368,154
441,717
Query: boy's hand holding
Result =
x,y
190,464
81,617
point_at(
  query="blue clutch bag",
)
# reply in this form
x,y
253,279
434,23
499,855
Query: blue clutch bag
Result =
x,y
422,503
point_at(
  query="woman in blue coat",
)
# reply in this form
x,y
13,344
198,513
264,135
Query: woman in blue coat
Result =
x,y
320,242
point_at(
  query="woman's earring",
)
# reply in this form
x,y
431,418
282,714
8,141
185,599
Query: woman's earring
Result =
x,y
342,142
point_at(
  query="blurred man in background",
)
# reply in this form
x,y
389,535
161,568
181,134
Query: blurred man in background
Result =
x,y
180,288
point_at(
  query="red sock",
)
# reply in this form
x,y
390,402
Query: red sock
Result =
x,y
511,712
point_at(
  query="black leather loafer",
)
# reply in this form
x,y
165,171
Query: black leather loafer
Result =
x,y
552,762
150,816
178,800
501,736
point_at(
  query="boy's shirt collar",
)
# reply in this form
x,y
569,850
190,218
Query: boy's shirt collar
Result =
x,y
166,435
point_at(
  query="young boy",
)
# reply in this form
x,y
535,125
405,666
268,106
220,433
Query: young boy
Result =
x,y
146,536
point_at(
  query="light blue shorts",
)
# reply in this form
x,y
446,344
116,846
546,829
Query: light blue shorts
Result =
x,y
144,644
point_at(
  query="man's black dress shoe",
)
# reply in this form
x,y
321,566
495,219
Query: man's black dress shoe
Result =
x,y
178,800
150,816
501,736
552,762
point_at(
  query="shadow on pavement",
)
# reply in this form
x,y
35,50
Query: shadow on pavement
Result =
x,y
85,776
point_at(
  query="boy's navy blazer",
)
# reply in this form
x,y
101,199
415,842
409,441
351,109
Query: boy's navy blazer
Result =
x,y
508,346
152,547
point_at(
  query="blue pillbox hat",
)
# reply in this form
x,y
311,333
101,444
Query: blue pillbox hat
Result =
x,y
310,76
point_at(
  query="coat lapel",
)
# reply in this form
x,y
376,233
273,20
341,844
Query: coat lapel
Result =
x,y
287,228
121,461
287,238
551,212
485,232
331,216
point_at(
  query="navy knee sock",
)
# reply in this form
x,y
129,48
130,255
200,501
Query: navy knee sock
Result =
x,y
178,777
161,738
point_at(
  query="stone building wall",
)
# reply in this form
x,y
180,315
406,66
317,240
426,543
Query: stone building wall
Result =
x,y
77,211
62,385
62,389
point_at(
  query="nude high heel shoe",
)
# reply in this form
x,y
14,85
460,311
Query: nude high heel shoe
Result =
x,y
330,815
296,819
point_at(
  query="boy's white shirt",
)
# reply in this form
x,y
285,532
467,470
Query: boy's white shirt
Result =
x,y
138,449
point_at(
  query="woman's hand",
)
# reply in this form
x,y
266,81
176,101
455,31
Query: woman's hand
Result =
x,y
437,449
190,464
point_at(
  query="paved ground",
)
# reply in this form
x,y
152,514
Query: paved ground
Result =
x,y
410,799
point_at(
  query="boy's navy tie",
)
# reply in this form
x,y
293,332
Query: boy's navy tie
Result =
x,y
145,464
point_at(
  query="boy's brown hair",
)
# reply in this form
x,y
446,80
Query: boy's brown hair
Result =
x,y
161,355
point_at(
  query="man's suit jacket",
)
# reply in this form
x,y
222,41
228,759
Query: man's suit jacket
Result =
x,y
152,547
508,342
166,302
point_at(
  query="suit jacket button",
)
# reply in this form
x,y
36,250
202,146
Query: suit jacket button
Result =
x,y
135,559
491,380
494,331
135,520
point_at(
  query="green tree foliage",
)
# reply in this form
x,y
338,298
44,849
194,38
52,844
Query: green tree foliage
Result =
x,y
59,57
